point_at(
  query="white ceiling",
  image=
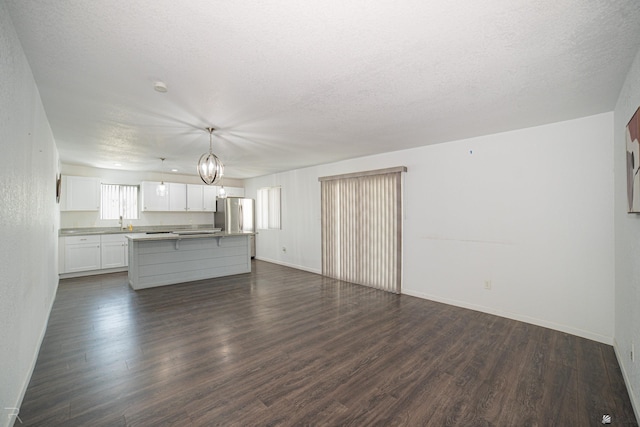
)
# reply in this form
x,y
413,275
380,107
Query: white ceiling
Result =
x,y
293,83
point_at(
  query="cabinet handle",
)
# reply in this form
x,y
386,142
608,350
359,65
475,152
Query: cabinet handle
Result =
x,y
82,240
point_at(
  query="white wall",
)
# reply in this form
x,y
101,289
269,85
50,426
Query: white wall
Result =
x,y
529,210
29,219
112,176
627,245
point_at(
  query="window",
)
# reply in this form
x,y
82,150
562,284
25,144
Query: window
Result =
x,y
119,200
269,208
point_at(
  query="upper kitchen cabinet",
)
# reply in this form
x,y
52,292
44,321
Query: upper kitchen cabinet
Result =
x,y
195,201
80,193
234,191
209,194
151,201
177,197
201,198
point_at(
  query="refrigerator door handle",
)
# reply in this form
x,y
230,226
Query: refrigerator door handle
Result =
x,y
240,218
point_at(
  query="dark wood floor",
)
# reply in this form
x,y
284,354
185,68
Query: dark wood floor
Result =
x,y
285,347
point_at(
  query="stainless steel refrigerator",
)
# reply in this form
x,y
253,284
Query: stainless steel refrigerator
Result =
x,y
236,215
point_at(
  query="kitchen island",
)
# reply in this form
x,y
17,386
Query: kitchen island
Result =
x,y
159,259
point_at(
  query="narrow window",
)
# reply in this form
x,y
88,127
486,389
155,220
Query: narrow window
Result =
x,y
268,208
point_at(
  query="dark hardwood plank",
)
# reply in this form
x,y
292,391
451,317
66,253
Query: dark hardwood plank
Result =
x,y
282,347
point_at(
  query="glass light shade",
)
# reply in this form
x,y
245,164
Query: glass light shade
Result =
x,y
210,168
222,193
161,189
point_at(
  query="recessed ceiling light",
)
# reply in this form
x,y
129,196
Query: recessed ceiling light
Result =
x,y
160,87
174,170
117,165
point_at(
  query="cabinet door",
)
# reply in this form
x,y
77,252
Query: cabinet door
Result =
x,y
113,249
234,191
126,252
195,200
82,253
177,197
82,193
61,263
209,194
151,201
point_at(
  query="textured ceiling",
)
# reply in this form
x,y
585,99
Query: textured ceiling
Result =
x,y
290,83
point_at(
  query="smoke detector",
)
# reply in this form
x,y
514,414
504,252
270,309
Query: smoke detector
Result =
x,y
160,87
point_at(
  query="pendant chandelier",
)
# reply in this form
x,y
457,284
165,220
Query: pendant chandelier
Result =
x,y
161,189
210,168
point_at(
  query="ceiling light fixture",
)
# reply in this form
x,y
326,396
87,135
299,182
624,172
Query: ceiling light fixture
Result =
x,y
210,168
161,189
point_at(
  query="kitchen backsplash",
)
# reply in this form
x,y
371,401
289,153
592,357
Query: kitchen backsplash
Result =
x,y
92,219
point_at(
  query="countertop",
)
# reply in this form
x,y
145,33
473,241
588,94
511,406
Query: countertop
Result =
x,y
190,234
87,231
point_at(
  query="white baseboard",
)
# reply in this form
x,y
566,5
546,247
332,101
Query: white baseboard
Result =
x,y
514,316
627,382
286,264
34,358
93,272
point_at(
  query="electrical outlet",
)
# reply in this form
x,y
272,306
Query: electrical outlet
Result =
x,y
487,284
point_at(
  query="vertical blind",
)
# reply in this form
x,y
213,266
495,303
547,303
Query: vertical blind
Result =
x,y
119,200
268,208
362,228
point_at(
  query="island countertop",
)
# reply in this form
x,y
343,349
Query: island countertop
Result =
x,y
187,234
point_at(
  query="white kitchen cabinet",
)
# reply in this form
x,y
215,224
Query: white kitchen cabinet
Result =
x,y
234,191
151,201
195,198
114,251
177,197
81,253
80,193
201,198
209,194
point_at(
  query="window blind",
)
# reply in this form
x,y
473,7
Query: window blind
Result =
x,y
362,228
268,207
119,200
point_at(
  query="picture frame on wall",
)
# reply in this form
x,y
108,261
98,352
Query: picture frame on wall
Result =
x,y
633,162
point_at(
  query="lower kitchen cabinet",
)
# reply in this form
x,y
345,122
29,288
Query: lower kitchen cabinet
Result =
x,y
114,249
93,254
81,253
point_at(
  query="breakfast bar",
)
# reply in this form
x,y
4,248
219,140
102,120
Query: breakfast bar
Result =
x,y
159,259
